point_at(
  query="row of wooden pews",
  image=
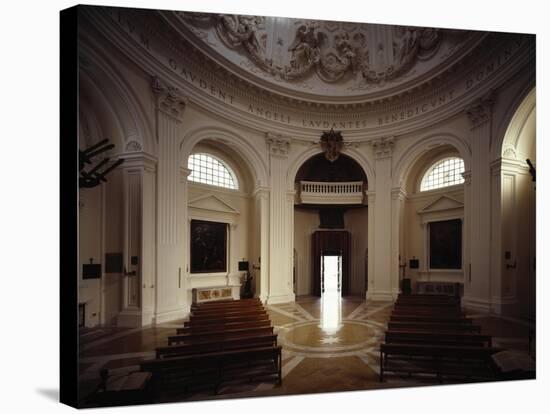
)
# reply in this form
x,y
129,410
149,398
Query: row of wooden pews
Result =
x,y
430,335
224,342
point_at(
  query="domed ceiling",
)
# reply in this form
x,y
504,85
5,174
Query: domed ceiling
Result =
x,y
325,60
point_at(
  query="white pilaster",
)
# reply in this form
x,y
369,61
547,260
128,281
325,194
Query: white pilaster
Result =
x,y
169,106
139,182
280,222
398,195
477,291
262,199
381,283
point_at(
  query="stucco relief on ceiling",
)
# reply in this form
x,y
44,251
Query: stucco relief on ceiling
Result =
x,y
313,55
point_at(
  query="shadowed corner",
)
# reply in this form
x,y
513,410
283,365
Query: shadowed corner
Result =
x,y
49,393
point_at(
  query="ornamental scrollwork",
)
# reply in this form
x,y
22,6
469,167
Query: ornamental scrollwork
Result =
x,y
329,49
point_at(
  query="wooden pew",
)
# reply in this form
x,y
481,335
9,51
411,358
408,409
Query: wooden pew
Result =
x,y
442,361
441,338
195,346
221,315
246,310
228,333
426,303
430,318
224,326
225,321
420,312
178,375
428,298
434,326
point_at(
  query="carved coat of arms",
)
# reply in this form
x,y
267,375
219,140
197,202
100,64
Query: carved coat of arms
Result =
x,y
332,144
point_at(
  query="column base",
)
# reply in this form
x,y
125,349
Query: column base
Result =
x,y
478,304
171,315
381,295
129,318
284,298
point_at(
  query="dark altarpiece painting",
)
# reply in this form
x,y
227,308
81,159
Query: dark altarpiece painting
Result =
x,y
208,247
446,244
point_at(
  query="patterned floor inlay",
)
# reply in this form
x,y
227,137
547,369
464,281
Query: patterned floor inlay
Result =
x,y
326,347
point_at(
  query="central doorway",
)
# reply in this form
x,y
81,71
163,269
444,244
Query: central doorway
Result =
x,y
331,273
331,291
330,250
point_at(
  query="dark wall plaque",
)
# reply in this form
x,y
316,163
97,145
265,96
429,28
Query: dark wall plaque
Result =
x,y
113,262
446,244
91,271
208,247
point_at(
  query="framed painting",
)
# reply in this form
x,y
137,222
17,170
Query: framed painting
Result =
x,y
208,247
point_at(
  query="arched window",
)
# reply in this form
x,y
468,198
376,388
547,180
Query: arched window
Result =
x,y
443,173
208,169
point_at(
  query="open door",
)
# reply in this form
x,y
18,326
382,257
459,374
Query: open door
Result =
x,y
330,243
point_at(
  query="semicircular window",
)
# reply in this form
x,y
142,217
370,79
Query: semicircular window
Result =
x,y
443,173
208,169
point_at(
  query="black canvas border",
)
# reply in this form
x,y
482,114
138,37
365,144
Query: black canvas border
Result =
x,y
68,199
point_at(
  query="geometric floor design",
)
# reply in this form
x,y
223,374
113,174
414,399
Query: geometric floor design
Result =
x,y
327,347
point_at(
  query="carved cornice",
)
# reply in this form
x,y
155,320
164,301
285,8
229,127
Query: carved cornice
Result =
x,y
371,196
184,173
278,145
139,161
398,193
168,98
479,112
383,147
261,192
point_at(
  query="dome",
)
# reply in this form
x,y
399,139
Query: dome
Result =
x,y
325,61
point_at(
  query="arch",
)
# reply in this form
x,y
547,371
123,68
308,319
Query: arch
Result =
x,y
352,153
519,120
251,155
121,99
413,153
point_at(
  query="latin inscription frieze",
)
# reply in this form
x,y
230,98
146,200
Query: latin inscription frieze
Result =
x,y
217,90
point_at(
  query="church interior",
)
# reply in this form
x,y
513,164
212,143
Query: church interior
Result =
x,y
275,206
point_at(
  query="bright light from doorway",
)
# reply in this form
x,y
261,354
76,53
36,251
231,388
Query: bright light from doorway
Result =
x,y
331,299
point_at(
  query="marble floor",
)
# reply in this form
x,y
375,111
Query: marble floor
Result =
x,y
328,345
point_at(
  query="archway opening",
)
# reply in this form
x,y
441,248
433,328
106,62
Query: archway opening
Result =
x,y
515,208
330,220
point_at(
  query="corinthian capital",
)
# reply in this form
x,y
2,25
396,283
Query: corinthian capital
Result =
x,y
169,99
277,144
479,112
382,147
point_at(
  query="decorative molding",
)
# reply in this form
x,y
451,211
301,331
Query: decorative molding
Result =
x,y
133,146
136,160
330,49
443,203
212,202
467,175
509,153
277,144
444,208
331,143
479,112
371,196
398,193
261,192
169,98
184,173
383,147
